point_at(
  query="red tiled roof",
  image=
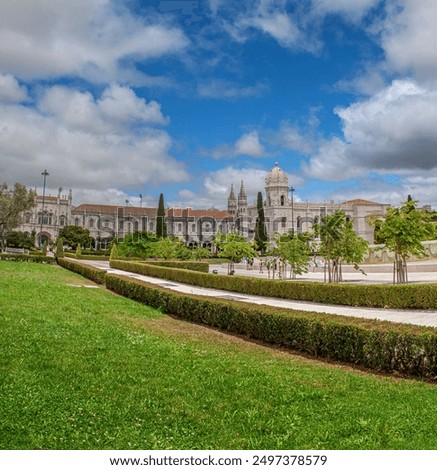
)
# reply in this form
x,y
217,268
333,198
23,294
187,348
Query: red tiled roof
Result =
x,y
113,209
359,202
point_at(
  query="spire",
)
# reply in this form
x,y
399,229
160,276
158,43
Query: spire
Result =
x,y
232,202
232,194
242,191
242,200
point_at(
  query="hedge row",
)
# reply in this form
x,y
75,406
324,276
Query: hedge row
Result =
x,y
421,296
88,257
28,258
380,346
199,266
96,275
376,345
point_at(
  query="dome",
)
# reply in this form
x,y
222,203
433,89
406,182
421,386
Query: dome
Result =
x,y
276,177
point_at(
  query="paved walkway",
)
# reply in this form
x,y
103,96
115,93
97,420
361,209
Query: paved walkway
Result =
x,y
416,317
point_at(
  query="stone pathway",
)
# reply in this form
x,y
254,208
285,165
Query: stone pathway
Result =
x,y
416,317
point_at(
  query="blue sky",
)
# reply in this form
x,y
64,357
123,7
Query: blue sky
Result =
x,y
128,97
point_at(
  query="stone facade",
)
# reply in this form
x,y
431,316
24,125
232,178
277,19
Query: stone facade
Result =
x,y
283,214
197,227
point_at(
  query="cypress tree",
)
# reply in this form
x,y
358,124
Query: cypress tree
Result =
x,y
161,226
260,227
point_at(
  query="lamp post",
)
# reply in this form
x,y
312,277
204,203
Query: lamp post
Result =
x,y
45,174
291,190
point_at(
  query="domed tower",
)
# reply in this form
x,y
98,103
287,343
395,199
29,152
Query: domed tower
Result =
x,y
232,202
276,187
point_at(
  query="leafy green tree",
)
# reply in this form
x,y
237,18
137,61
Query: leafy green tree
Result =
x,y
74,235
294,250
161,226
138,244
199,253
234,247
170,248
339,243
260,226
20,240
402,231
13,202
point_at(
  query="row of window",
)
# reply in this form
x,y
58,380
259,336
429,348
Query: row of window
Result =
x,y
47,218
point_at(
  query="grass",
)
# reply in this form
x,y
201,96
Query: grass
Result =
x,y
82,368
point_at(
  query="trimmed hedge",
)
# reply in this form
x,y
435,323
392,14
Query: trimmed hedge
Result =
x,y
28,258
379,346
420,296
94,274
199,266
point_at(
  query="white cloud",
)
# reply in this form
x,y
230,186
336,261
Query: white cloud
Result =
x,y
249,144
392,132
353,10
277,24
85,38
11,91
409,38
83,145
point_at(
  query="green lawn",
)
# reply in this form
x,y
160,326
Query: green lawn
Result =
x,y
82,368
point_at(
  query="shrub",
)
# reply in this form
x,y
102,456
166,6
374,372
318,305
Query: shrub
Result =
x,y
94,274
423,296
28,258
380,346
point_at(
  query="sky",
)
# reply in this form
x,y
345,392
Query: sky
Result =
x,y
121,100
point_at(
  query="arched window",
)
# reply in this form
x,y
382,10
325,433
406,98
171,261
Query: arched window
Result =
x,y
27,218
91,223
179,228
282,200
62,220
193,228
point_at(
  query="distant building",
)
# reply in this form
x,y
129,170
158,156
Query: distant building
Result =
x,y
283,214
197,227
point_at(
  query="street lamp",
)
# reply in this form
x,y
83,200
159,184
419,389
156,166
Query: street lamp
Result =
x,y
45,174
291,190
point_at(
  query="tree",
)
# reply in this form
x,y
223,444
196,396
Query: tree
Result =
x,y
20,240
234,247
74,235
60,248
138,244
402,231
13,202
260,226
339,243
161,226
295,250
170,248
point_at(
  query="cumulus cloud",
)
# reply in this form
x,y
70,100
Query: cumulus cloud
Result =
x,y
11,91
409,38
393,131
248,144
84,143
85,38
